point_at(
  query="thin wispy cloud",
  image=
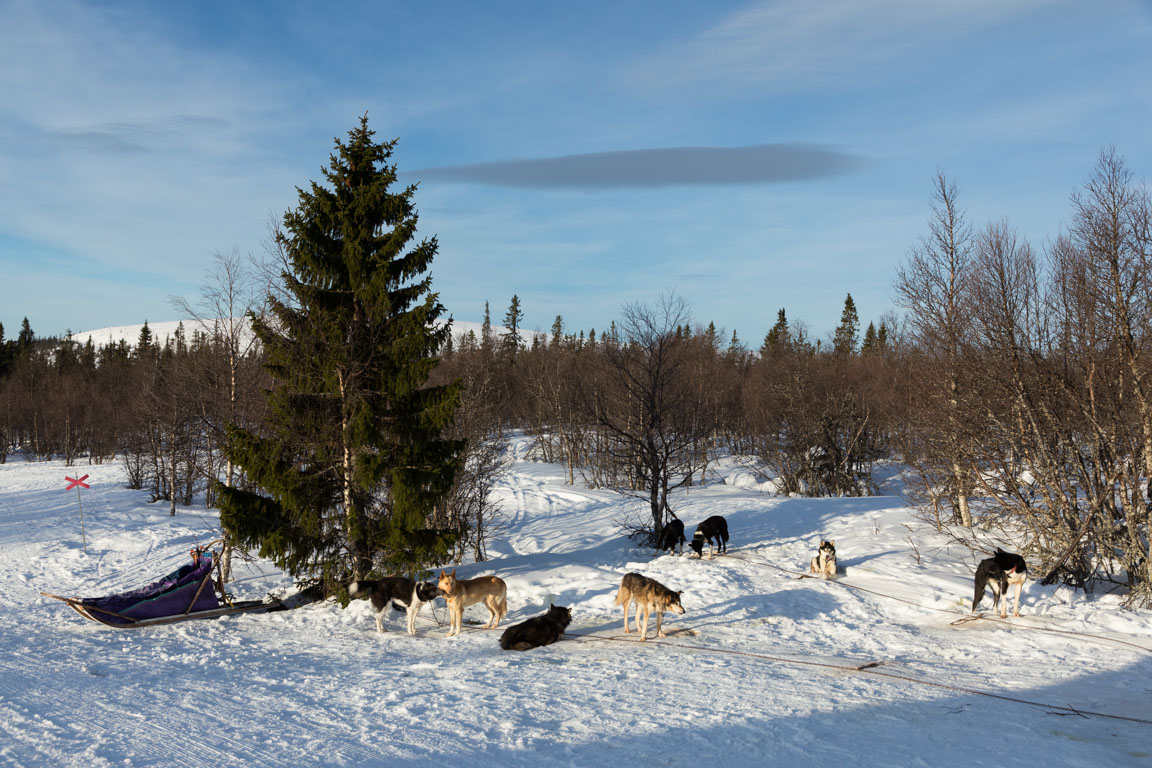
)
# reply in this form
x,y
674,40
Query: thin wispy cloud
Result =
x,y
797,44
653,168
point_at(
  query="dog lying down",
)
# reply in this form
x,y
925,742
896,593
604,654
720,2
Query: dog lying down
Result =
x,y
544,629
403,593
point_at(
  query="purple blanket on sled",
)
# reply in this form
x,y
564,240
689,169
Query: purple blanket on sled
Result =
x,y
173,595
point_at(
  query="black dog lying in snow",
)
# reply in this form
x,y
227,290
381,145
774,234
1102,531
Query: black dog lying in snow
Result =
x,y
544,629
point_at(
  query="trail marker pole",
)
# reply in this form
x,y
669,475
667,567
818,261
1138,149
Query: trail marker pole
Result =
x,y
79,483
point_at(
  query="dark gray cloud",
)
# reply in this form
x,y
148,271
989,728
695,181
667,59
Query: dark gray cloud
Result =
x,y
674,166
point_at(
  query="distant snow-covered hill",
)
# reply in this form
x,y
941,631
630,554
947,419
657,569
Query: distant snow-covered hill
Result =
x,y
166,329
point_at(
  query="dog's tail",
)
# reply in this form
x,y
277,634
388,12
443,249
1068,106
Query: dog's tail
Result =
x,y
981,583
622,595
357,588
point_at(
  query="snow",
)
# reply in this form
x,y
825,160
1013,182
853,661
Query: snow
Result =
x,y
166,329
761,670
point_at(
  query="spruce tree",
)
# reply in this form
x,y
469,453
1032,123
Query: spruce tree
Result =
x,y
844,340
351,459
777,339
510,340
869,344
24,341
557,331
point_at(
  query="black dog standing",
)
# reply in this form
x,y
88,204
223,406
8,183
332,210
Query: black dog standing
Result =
x,y
672,537
714,528
998,572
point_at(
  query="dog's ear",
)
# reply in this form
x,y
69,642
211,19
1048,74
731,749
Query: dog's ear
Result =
x,y
832,542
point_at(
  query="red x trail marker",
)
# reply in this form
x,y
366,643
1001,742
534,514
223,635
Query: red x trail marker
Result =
x,y
76,482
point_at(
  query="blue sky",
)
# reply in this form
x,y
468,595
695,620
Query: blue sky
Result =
x,y
747,156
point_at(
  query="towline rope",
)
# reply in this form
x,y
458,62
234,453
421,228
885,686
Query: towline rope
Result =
x,y
870,668
964,617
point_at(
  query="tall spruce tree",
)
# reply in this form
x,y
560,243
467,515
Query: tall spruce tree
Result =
x,y
510,339
351,459
844,340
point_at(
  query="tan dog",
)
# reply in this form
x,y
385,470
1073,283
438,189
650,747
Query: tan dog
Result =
x,y
649,595
461,593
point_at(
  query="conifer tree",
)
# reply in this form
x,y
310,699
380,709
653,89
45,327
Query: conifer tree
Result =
x,y
486,329
351,459
844,340
557,331
510,340
870,343
24,341
4,354
777,340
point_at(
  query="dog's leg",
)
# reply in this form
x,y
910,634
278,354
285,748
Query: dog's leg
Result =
x,y
493,611
627,607
1016,611
643,632
979,594
659,622
380,621
1000,589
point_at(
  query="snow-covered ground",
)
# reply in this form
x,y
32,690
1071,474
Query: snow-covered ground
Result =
x,y
761,670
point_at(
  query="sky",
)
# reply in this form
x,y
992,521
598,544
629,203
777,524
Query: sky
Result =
x,y
746,156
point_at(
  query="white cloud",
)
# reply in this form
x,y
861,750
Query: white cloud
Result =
x,y
799,44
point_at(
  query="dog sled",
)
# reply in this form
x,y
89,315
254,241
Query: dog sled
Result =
x,y
192,591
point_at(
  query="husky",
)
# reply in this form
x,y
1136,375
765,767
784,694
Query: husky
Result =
x,y
544,629
714,527
672,537
461,593
998,572
403,593
824,563
649,595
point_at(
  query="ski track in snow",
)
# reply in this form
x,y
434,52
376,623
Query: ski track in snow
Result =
x,y
737,682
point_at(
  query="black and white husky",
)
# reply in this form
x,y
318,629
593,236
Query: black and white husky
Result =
x,y
998,572
403,593
715,529
824,564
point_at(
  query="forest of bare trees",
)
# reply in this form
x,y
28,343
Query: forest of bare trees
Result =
x,y
1015,387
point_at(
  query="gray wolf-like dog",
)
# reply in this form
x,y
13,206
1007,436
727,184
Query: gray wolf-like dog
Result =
x,y
649,596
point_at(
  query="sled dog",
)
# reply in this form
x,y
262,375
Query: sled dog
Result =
x,y
403,593
544,629
824,564
650,596
714,528
998,572
672,537
461,593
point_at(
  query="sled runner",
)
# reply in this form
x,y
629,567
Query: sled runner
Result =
x,y
187,593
